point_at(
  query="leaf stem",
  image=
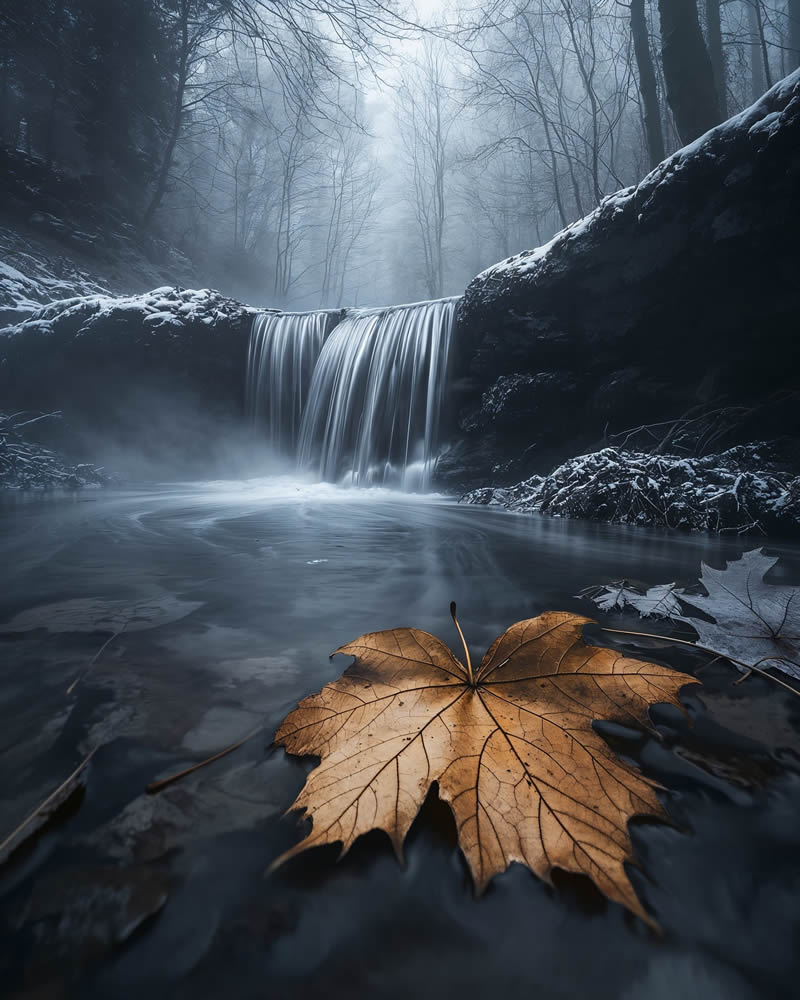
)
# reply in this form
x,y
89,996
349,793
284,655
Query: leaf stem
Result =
x,y
463,643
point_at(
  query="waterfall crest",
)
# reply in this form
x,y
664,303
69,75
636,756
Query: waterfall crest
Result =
x,y
283,350
361,402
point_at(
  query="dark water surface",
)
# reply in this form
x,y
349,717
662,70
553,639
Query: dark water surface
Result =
x,y
233,595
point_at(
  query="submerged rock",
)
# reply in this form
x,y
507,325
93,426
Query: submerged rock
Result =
x,y
77,914
206,804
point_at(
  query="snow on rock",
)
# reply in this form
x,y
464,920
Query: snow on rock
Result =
x,y
62,236
673,295
759,121
91,354
717,493
172,307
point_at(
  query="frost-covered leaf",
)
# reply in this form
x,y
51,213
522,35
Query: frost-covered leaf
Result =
x,y
511,746
755,622
89,614
660,601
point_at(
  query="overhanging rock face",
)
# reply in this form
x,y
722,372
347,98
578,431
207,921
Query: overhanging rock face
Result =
x,y
683,288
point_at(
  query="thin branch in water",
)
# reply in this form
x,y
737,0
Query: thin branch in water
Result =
x,y
44,811
157,786
94,659
686,642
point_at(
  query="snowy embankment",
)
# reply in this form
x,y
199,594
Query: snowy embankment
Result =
x,y
60,238
154,380
105,344
27,464
759,123
23,293
717,493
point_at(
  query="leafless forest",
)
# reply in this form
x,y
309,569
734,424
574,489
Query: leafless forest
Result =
x,y
318,153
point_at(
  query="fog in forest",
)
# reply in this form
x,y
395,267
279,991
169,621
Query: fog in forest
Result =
x,y
314,154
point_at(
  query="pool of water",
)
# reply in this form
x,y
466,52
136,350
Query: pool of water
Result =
x,y
232,595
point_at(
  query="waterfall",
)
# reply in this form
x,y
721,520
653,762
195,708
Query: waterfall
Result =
x,y
369,392
283,350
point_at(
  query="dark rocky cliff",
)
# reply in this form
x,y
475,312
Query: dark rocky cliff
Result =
x,y
680,294
161,373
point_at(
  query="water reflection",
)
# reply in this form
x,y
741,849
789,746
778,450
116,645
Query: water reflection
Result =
x,y
282,572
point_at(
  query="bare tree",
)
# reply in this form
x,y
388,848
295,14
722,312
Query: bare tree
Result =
x,y
317,33
687,68
197,26
425,116
760,76
793,17
716,54
648,87
350,185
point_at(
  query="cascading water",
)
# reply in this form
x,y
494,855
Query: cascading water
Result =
x,y
371,408
283,350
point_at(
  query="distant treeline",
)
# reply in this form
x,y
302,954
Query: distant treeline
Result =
x,y
253,131
89,85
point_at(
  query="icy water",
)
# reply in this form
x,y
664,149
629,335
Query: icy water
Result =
x,y
232,596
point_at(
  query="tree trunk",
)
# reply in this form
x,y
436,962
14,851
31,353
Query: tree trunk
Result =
x,y
647,83
5,98
177,123
691,93
714,34
56,81
758,83
793,14
762,40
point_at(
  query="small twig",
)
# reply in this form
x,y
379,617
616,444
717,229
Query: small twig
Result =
x,y
744,677
94,659
63,791
705,666
686,642
156,786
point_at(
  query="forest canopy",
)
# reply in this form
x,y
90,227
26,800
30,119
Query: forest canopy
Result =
x,y
317,153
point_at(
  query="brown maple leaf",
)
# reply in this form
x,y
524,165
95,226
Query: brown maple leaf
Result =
x,y
511,746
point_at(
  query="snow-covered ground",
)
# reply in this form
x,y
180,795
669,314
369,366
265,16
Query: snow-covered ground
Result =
x,y
165,306
31,278
718,493
27,464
